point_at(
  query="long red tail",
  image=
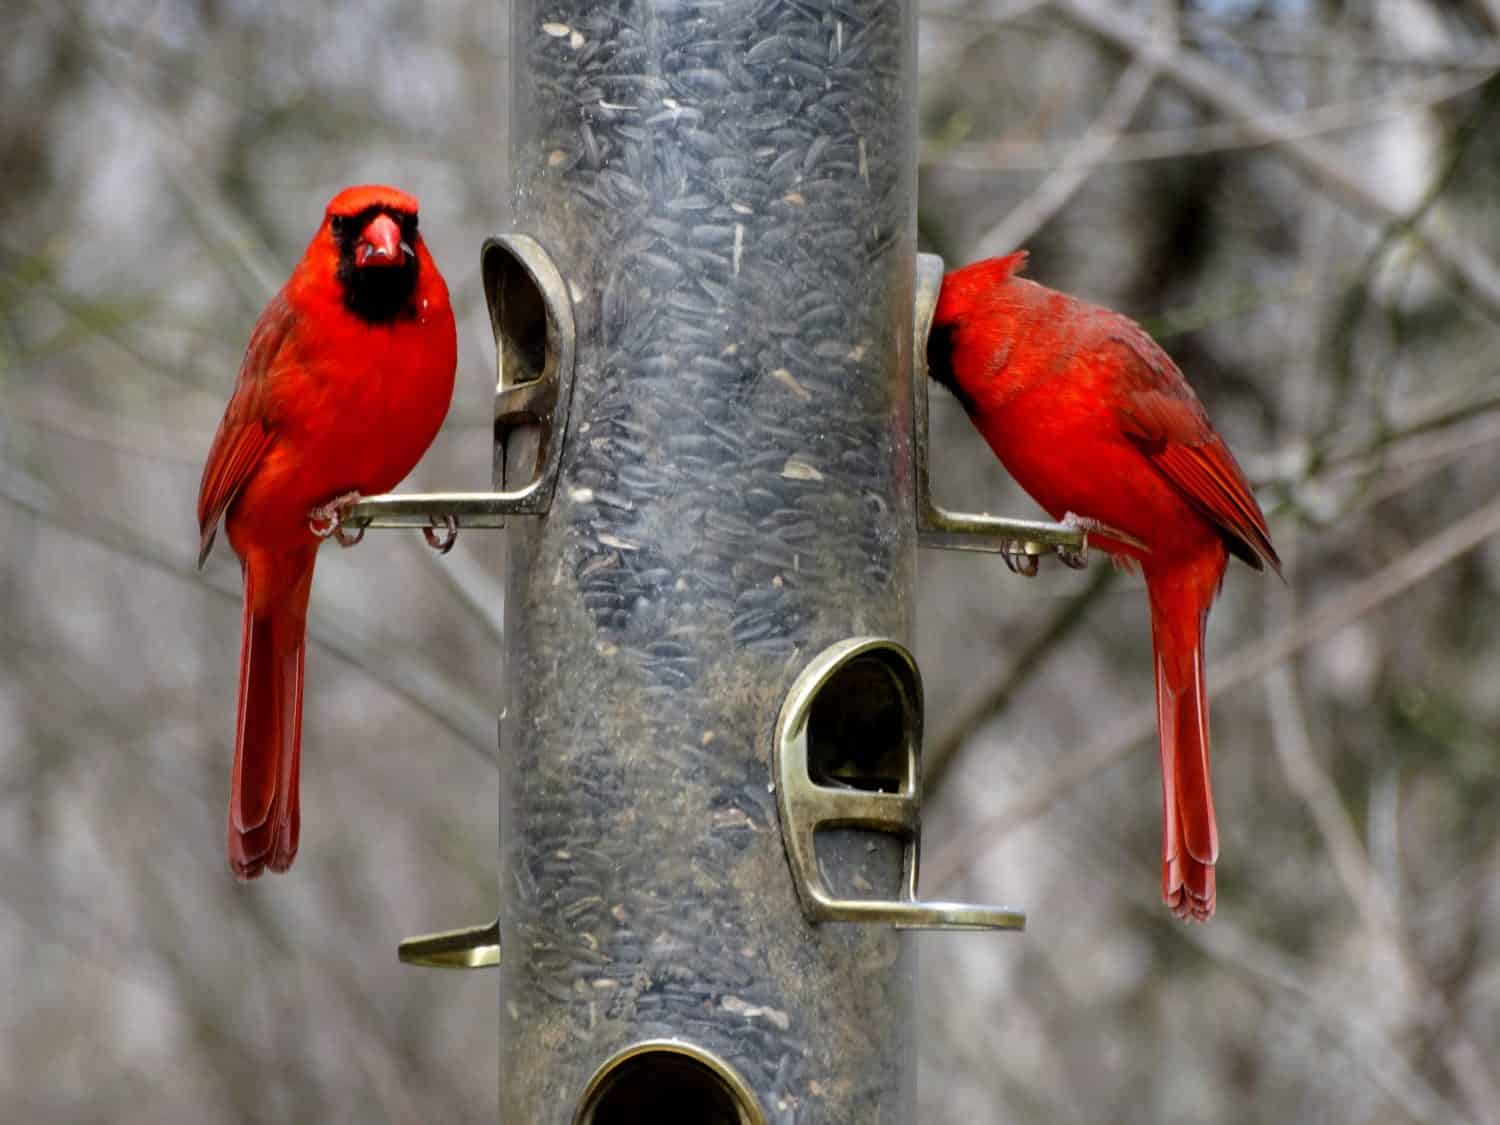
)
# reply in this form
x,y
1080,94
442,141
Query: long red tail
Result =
x,y
1190,839
264,819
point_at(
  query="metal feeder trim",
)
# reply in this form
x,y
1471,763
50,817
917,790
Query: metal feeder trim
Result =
x,y
531,314
806,806
477,947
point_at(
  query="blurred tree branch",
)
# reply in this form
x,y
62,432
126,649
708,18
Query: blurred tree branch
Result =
x,y
1070,174
1264,37
471,722
1063,181
219,223
1383,923
1278,126
1025,663
1462,262
1358,296
1237,951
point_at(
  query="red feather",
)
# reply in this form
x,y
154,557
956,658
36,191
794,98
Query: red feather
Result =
x,y
1213,483
247,429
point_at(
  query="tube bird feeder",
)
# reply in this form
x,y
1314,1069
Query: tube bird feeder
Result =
x,y
707,463
727,188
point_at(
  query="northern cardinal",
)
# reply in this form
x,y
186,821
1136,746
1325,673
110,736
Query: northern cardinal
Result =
x,y
1096,422
344,384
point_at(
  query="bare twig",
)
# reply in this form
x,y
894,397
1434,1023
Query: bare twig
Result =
x,y
1375,903
1234,948
937,758
1354,451
1354,603
134,439
1264,37
1356,298
1461,261
1417,460
1382,921
993,22
1319,42
1311,783
218,221
1375,1049
1063,182
1277,126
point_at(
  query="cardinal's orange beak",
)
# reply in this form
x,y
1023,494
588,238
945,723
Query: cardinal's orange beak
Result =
x,y
381,245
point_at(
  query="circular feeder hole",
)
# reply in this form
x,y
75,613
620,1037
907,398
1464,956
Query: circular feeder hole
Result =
x,y
861,728
667,1083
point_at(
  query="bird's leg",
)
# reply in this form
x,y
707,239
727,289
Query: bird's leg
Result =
x,y
1019,562
327,520
450,535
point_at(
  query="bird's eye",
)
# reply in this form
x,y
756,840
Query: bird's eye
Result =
x,y
408,225
336,224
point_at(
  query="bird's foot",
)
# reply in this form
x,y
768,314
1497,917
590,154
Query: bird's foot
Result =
x,y
1019,561
327,520
1077,558
444,543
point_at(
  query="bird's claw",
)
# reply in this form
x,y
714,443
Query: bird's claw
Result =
x,y
442,545
1073,559
1019,558
327,520
1019,561
1076,558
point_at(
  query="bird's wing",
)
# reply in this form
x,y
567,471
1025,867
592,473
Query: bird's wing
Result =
x,y
1162,418
248,429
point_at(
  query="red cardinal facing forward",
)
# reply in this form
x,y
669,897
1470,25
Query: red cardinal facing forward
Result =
x,y
1096,422
344,384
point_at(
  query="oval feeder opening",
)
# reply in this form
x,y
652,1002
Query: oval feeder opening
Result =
x,y
518,314
862,728
667,1082
531,316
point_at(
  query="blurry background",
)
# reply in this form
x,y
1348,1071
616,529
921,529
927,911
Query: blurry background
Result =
x,y
1300,198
